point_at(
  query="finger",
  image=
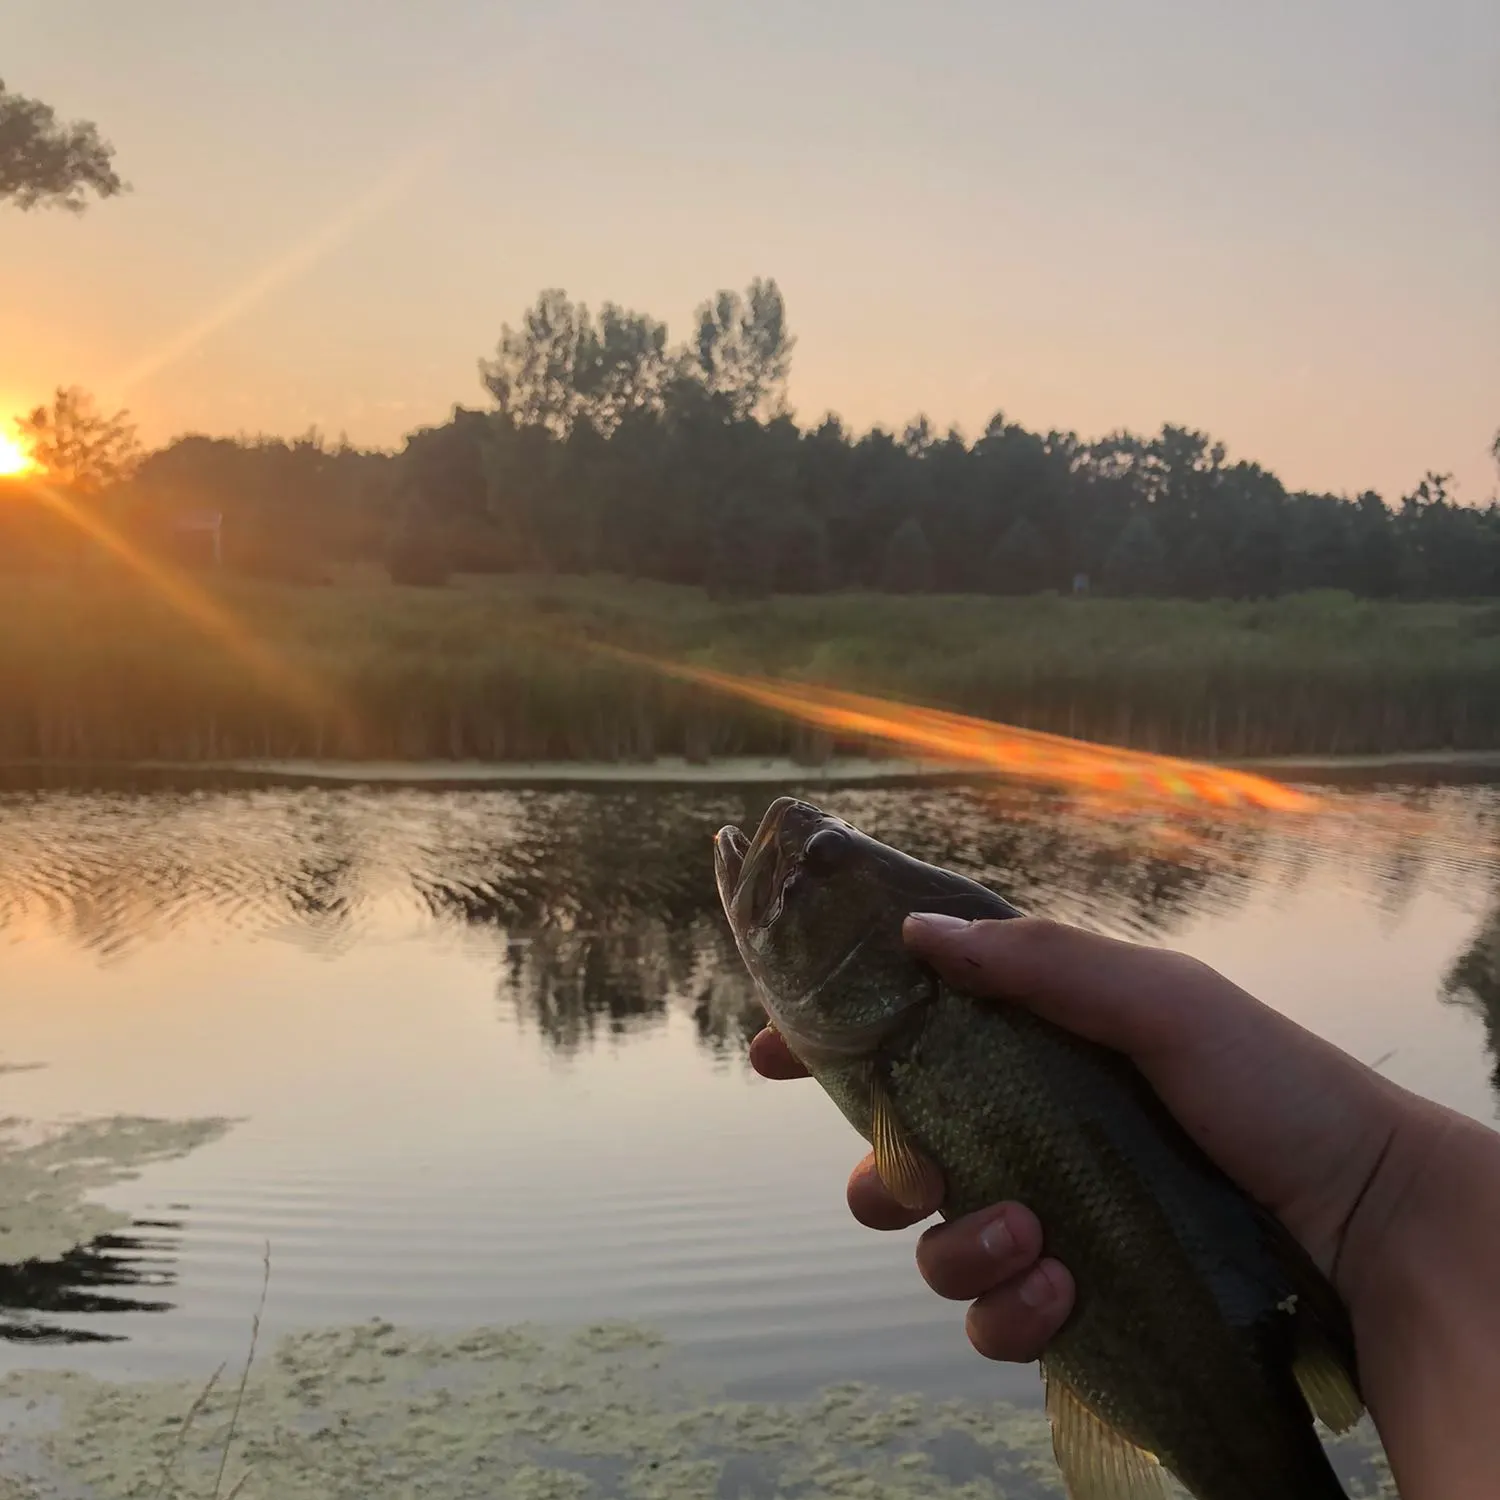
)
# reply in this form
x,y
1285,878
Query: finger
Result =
x,y
772,1058
1127,996
1015,1322
975,1254
872,1204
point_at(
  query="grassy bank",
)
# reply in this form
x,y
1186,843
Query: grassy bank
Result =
x,y
492,669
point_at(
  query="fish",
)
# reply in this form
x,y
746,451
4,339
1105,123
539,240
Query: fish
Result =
x,y
1203,1339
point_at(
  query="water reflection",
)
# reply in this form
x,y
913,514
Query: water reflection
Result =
x,y
602,902
93,1279
1474,981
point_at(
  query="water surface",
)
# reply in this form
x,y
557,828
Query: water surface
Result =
x,y
483,1051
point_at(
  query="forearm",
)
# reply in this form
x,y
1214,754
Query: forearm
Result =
x,y
1426,1309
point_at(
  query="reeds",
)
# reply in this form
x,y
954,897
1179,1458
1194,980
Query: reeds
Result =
x,y
102,669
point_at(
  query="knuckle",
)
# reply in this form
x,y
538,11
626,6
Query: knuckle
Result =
x,y
1033,944
1184,969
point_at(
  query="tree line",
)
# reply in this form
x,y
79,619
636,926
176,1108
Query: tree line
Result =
x,y
606,447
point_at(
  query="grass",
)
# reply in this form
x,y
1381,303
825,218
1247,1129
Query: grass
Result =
x,y
99,668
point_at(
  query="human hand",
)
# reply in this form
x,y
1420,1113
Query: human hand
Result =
x,y
1395,1197
1307,1130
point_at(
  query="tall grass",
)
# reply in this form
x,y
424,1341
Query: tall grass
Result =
x,y
101,669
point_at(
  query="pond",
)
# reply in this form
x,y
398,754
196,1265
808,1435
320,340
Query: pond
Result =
x,y
464,1060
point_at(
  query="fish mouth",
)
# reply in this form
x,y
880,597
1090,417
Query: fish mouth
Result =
x,y
730,848
771,855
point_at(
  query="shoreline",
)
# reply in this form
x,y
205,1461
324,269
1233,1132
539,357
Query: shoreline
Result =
x,y
667,772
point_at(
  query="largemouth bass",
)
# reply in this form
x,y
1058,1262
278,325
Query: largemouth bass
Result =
x,y
1203,1338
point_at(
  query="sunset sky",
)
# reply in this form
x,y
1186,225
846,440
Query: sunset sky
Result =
x,y
1278,222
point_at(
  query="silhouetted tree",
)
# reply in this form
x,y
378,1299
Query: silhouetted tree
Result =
x,y
44,161
608,447
560,367
741,351
802,562
77,445
1019,563
907,568
1137,562
1375,547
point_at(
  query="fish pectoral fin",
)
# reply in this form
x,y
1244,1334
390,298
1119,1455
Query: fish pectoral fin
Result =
x,y
1327,1385
910,1177
1322,1338
1098,1462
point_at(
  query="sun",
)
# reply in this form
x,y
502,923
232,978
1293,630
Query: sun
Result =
x,y
14,459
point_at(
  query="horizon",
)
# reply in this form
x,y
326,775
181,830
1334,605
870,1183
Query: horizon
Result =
x,y
1265,228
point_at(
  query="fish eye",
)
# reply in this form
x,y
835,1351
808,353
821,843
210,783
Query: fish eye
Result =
x,y
824,852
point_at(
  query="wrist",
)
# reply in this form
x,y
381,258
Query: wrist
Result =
x,y
1420,1196
1418,1272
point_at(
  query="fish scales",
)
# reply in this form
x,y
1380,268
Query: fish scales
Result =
x,y
1139,1223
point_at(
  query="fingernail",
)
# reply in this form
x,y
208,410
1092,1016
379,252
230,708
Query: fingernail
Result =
x,y
996,1240
939,921
1036,1291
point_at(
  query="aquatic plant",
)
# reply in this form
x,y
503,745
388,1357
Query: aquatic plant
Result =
x,y
103,669
534,1413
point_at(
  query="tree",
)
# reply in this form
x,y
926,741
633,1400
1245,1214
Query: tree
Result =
x,y
44,161
1019,563
622,368
1200,569
1137,563
802,555
417,554
742,351
445,466
76,445
1376,552
741,563
560,367
907,565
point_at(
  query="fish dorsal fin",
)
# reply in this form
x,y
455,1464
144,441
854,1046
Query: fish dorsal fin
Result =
x,y
1097,1461
910,1177
1326,1383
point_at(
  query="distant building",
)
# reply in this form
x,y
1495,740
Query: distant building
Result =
x,y
199,534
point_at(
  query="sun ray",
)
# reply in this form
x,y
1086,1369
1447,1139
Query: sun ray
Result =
x,y
395,181
291,683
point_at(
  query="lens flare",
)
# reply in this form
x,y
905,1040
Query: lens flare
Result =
x,y
1123,776
1158,804
290,683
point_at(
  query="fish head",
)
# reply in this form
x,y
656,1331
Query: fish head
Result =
x,y
816,907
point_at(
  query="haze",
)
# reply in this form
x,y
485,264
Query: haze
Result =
x,y
1280,223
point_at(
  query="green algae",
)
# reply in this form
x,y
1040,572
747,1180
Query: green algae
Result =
x,y
46,1177
523,1413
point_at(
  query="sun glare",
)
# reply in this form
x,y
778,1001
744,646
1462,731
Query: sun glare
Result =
x,y
14,459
